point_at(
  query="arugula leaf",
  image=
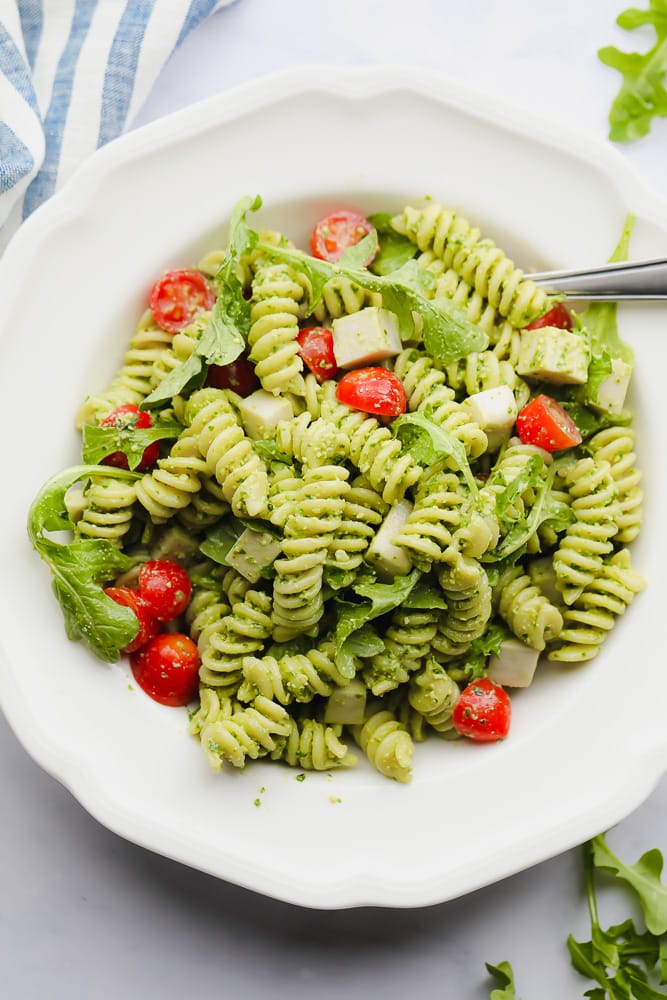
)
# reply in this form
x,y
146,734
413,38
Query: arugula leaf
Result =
x,y
223,333
598,322
545,508
364,642
503,975
98,442
270,451
425,595
642,95
395,250
429,444
80,568
355,256
644,877
220,538
380,598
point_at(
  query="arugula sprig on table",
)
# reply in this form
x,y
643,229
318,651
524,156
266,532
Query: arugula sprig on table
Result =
x,y
623,961
642,95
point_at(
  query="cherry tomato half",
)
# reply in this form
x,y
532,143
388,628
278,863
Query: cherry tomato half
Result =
x,y
167,668
127,417
483,712
165,587
317,350
558,316
148,625
373,390
177,297
543,422
333,234
238,375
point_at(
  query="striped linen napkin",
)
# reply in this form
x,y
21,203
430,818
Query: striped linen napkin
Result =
x,y
73,74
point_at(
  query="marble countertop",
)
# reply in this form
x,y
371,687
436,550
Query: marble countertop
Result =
x,y
87,916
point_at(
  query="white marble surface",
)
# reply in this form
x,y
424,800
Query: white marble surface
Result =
x,y
86,916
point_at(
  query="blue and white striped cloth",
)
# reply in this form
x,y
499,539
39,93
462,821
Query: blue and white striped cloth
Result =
x,y
73,74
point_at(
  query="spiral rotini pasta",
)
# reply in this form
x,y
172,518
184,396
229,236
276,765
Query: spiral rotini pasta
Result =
x,y
589,619
228,451
276,305
349,580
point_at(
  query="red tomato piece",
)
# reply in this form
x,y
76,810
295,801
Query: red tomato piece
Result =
x,y
483,712
238,375
148,625
177,297
167,668
129,417
317,350
333,234
373,390
165,587
558,316
543,422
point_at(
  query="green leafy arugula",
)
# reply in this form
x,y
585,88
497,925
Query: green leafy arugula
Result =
x,y
625,962
223,333
80,568
394,249
378,599
642,95
429,444
545,508
98,442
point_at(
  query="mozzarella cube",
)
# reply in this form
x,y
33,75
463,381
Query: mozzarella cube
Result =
x,y
495,411
391,560
553,355
252,552
611,392
261,413
366,337
514,666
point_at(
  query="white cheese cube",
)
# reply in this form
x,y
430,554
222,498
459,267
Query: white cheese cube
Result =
x,y
390,560
366,337
514,666
495,411
252,552
553,355
611,392
261,412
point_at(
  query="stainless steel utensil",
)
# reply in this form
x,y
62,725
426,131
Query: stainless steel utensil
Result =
x,y
644,279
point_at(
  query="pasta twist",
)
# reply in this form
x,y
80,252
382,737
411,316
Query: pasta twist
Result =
x,y
249,732
182,345
427,532
274,315
311,442
292,677
478,261
616,446
425,387
213,707
223,643
313,746
297,588
133,380
206,508
172,484
376,452
468,593
205,607
530,615
108,509
340,297
363,513
434,695
578,558
228,451
387,744
408,641
481,371
234,587
588,621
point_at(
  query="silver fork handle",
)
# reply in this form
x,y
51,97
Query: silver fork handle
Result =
x,y
644,279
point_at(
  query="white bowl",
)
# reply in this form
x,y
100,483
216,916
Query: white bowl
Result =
x,y
588,744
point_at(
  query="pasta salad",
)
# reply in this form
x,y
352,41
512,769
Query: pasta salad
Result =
x,y
337,501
